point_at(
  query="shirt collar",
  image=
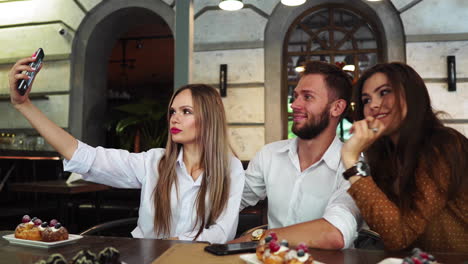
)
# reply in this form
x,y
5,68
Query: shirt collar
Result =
x,y
291,146
180,157
181,164
331,157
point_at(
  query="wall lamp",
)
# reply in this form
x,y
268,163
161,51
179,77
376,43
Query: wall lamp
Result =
x,y
451,74
223,80
231,5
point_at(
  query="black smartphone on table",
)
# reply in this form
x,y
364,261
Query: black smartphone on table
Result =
x,y
24,84
226,249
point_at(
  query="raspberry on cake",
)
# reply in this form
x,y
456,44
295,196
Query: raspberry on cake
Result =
x,y
275,253
264,244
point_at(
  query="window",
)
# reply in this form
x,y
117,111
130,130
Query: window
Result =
x,y
334,34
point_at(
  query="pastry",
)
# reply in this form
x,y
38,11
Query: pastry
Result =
x,y
275,253
263,244
298,257
419,256
269,251
29,229
35,229
54,233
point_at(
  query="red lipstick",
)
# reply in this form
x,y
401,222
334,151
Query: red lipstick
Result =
x,y
175,130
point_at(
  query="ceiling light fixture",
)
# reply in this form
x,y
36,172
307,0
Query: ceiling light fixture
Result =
x,y
231,5
292,2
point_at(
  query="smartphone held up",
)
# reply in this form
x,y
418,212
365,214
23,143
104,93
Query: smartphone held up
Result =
x,y
24,84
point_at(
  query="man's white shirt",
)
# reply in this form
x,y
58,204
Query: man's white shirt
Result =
x,y
294,196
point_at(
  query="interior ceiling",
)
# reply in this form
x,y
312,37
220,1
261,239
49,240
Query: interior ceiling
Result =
x,y
149,58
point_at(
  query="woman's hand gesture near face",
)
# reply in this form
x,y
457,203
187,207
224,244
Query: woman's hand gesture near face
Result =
x,y
365,133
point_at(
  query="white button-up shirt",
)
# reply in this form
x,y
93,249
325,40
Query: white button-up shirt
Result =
x,y
121,169
296,196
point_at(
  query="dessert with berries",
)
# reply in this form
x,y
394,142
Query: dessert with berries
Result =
x,y
35,229
264,244
270,251
299,255
275,252
419,257
54,232
29,229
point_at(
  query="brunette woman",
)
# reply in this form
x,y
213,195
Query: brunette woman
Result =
x,y
416,192
189,191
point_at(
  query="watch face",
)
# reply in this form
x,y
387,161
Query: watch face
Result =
x,y
362,168
257,233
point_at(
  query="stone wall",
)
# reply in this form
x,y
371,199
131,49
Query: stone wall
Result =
x,y
435,30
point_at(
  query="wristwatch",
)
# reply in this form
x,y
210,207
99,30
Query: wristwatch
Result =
x,y
257,234
361,168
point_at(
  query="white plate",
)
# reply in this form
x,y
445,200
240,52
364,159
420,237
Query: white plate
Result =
x,y
32,243
391,261
252,259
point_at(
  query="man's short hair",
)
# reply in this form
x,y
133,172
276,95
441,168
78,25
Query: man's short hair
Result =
x,y
338,82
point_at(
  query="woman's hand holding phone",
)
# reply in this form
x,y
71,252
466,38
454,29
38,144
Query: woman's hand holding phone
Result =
x,y
21,77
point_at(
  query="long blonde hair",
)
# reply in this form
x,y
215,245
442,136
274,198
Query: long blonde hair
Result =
x,y
212,140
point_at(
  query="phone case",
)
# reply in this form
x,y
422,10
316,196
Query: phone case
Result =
x,y
24,84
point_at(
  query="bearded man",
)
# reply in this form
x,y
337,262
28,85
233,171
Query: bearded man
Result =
x,y
302,177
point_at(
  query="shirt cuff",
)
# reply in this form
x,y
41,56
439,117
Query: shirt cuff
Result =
x,y
82,159
345,222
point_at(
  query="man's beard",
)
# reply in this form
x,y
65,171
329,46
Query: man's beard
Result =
x,y
314,128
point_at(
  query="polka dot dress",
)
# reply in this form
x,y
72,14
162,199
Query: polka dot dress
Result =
x,y
435,224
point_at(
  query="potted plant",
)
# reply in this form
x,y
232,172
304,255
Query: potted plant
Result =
x,y
140,126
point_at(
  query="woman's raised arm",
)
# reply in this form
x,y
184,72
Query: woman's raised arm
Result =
x,y
60,140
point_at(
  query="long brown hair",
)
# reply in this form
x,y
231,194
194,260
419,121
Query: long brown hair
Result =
x,y
212,140
422,137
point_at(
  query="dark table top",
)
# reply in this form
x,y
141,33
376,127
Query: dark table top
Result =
x,y
58,186
144,251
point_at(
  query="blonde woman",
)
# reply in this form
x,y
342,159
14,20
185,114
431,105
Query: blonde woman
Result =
x,y
189,191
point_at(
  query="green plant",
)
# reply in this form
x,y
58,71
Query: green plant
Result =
x,y
144,121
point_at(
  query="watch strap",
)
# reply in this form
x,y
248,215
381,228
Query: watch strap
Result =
x,y
350,172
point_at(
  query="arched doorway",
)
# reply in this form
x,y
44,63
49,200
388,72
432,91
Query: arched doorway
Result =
x,y
92,46
282,17
139,87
